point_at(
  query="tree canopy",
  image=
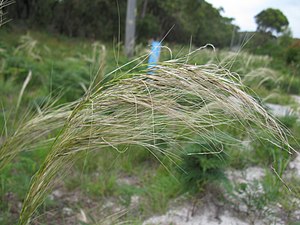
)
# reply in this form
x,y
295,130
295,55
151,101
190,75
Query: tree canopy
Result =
x,y
270,20
105,19
192,18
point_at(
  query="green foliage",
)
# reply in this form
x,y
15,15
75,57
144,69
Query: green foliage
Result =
x,y
105,20
148,27
15,180
103,185
289,201
263,44
284,57
255,197
160,191
291,85
198,19
201,165
293,125
266,154
289,121
16,177
293,54
92,18
127,191
270,20
58,66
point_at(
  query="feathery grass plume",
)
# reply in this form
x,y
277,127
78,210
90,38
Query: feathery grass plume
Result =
x,y
242,61
258,77
30,133
177,104
28,44
99,58
28,78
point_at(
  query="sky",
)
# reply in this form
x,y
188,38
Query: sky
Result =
x,y
244,11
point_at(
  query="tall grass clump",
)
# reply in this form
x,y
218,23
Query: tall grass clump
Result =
x,y
262,77
173,107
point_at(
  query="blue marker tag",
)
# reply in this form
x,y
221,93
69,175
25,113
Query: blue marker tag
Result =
x,y
154,56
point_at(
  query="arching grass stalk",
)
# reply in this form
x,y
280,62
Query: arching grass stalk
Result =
x,y
30,133
171,107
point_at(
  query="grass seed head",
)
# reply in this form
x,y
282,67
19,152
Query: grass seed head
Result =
x,y
173,106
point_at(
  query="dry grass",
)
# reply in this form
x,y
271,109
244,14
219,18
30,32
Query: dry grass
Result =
x,y
32,132
29,46
256,78
173,106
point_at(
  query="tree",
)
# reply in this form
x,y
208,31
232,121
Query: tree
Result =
x,y
130,28
174,20
192,18
270,20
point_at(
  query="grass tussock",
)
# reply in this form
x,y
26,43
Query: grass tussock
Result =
x,y
261,77
170,108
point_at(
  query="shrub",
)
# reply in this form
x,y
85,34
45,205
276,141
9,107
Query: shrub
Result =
x,y
293,53
202,165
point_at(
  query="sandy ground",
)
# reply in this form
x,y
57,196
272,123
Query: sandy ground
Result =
x,y
234,211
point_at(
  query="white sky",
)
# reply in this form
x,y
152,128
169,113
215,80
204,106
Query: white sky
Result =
x,y
244,11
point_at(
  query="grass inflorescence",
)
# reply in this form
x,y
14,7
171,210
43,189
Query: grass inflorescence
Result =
x,y
163,113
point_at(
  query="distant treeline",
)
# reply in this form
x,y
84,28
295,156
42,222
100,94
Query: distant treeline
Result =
x,y
105,19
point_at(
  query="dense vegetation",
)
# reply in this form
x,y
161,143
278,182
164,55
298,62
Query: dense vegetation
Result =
x,y
105,19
